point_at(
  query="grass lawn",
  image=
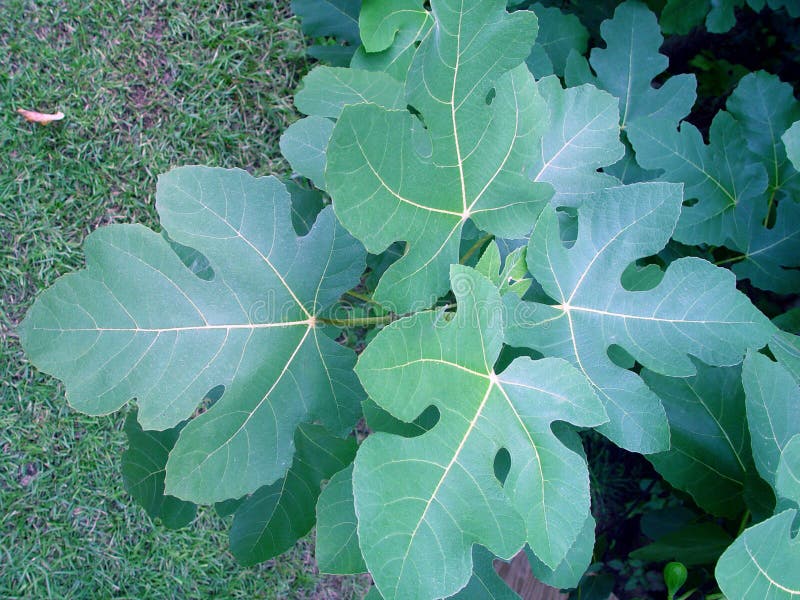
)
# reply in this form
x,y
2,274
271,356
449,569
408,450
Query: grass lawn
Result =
x,y
146,85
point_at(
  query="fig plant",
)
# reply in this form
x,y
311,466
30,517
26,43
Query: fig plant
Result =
x,y
524,240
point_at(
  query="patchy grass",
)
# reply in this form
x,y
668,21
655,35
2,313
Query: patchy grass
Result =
x,y
145,85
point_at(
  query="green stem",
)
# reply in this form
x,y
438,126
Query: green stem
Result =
x,y
362,297
357,322
743,524
475,247
732,259
771,201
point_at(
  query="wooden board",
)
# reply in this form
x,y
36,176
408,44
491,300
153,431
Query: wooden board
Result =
x,y
517,574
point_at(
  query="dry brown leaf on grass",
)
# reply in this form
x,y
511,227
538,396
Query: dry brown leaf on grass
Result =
x,y
41,118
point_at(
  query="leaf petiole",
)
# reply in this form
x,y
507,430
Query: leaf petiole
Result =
x,y
362,297
358,321
475,247
743,524
732,259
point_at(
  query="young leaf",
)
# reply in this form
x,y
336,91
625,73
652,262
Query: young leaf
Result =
x,y
582,137
763,563
270,521
490,263
423,502
773,411
710,453
138,323
483,118
512,277
694,311
337,550
631,60
143,473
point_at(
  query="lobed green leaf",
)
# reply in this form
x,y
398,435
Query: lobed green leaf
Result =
x,y
694,311
138,323
394,176
720,177
423,502
631,60
582,137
